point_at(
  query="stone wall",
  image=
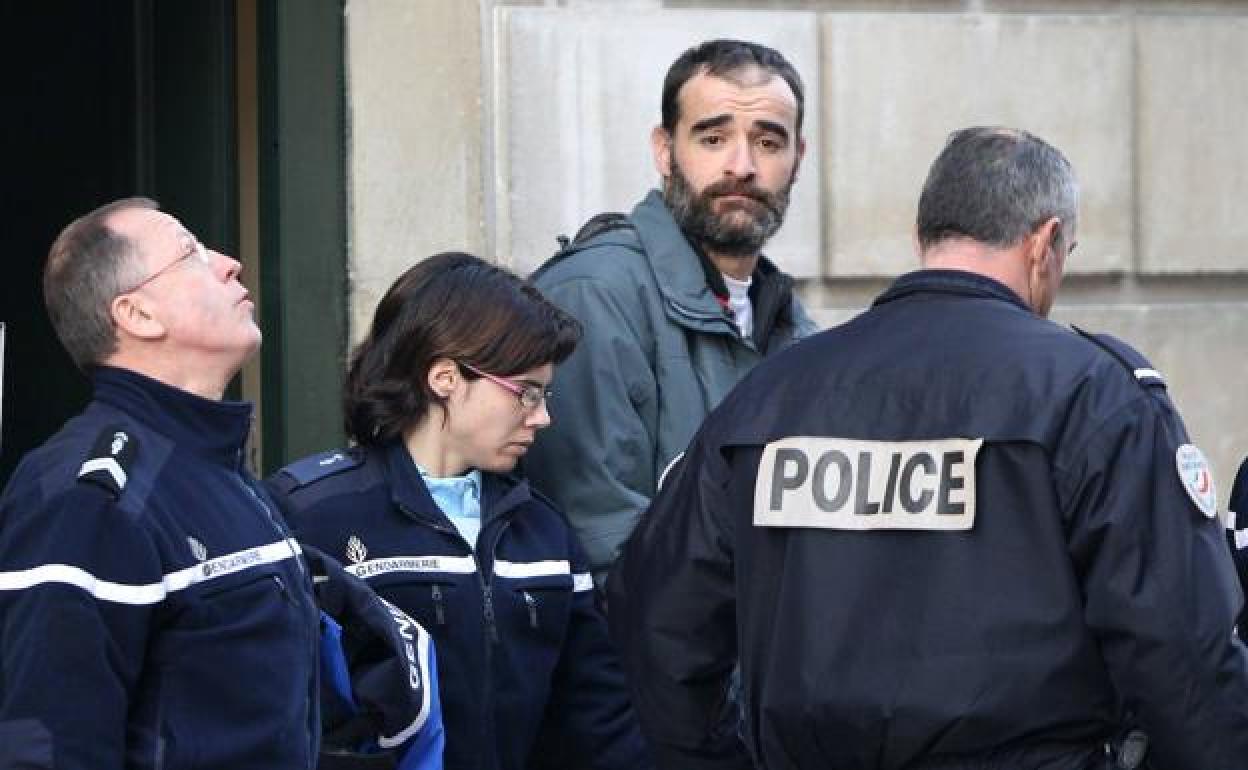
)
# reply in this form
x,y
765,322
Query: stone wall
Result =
x,y
494,126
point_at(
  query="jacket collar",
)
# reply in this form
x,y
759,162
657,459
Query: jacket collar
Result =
x,y
499,494
215,429
681,276
957,282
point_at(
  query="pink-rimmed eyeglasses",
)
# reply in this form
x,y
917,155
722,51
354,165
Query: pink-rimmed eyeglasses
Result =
x,y
530,395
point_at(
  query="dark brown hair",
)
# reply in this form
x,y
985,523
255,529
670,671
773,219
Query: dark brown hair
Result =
x,y
455,306
724,58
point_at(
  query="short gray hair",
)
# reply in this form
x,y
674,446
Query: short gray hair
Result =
x,y
996,185
88,265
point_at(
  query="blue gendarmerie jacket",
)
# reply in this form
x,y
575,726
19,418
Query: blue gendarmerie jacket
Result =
x,y
527,675
946,534
154,612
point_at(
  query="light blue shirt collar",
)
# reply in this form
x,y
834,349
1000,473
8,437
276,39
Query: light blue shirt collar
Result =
x,y
459,497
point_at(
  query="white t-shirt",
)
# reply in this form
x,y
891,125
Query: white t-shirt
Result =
x,y
739,301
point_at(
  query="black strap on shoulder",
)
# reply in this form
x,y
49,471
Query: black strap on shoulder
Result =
x,y
598,224
594,227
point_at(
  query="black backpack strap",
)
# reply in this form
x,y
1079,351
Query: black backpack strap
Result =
x,y
594,227
598,224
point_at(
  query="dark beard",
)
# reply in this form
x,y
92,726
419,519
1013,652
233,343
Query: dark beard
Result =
x,y
724,233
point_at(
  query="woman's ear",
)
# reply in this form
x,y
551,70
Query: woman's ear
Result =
x,y
443,377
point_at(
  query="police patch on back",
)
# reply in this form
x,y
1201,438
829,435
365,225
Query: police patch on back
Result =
x,y
110,460
836,483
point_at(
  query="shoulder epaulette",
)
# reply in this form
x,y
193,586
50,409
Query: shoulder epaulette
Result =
x,y
1129,357
320,466
112,457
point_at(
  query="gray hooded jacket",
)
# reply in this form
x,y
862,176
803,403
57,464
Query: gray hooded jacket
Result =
x,y
659,353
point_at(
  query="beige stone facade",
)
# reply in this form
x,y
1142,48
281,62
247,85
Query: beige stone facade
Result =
x,y
492,126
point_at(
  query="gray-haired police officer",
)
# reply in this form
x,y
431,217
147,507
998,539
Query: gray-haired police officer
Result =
x,y
154,611
948,533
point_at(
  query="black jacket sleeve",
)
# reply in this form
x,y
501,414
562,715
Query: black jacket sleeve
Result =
x,y
1237,536
78,583
673,615
1161,593
590,722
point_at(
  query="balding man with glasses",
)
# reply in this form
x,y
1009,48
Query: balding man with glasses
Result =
x,y
154,610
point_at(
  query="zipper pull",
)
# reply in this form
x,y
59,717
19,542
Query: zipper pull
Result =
x,y
488,605
532,604
439,611
281,587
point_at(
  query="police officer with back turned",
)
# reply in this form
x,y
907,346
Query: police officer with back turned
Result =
x,y
946,534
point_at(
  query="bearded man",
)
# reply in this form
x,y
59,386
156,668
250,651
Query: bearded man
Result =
x,y
676,299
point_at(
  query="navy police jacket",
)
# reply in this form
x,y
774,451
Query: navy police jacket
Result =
x,y
154,612
1237,533
527,676
948,533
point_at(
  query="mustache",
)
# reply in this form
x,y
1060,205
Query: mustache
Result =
x,y
731,186
746,189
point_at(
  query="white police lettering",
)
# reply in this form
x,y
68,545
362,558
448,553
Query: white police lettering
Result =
x,y
836,483
232,563
405,625
459,565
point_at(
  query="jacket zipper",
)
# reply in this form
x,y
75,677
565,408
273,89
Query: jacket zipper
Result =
x,y
532,605
487,610
313,638
487,694
281,587
438,610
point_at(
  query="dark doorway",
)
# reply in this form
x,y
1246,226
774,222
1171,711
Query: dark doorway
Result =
x,y
112,99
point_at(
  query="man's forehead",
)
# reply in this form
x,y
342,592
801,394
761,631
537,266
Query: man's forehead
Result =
x,y
141,225
745,77
750,89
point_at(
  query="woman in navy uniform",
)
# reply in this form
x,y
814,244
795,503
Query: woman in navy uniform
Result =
x,y
442,399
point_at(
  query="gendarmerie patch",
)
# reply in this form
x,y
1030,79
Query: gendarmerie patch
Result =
x,y
112,456
836,483
1197,478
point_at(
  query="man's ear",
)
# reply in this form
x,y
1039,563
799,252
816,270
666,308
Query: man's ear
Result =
x,y
443,377
134,317
801,153
1044,240
661,146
